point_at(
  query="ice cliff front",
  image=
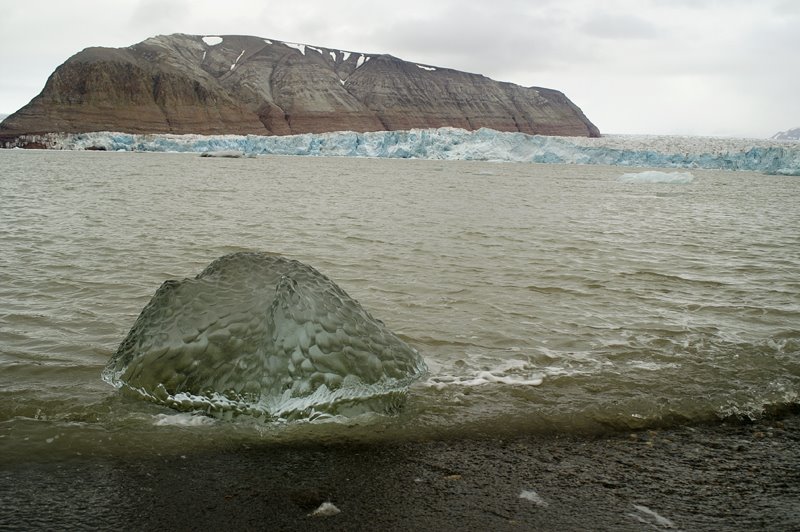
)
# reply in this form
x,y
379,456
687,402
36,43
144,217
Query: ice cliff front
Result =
x,y
767,156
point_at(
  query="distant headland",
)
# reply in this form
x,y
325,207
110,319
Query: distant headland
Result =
x,y
235,84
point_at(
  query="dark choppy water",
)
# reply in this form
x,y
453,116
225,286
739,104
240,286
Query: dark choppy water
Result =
x,y
544,298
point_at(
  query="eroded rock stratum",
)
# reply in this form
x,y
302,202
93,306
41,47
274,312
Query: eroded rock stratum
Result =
x,y
249,85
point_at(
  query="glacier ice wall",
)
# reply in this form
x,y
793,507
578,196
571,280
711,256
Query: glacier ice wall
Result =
x,y
767,156
265,336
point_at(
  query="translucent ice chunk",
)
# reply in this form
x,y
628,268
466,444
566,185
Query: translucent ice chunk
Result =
x,y
266,336
654,176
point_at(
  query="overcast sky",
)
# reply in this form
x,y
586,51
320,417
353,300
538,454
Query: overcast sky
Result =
x,y
695,67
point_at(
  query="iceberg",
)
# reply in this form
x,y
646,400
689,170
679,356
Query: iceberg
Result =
x,y
766,156
654,176
261,335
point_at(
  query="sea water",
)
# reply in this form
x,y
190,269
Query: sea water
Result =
x,y
544,298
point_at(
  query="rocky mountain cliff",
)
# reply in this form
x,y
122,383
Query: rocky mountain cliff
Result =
x,y
249,85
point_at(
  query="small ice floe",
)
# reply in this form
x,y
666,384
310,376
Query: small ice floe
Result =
x,y
230,154
648,517
655,176
530,495
326,509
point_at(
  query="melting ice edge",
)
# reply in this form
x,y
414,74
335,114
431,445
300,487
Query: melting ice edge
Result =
x,y
766,156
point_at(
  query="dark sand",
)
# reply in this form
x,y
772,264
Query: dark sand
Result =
x,y
711,477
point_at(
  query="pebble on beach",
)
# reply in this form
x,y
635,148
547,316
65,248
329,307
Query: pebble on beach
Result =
x,y
326,509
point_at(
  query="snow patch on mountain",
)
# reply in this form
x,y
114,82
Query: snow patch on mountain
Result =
x,y
212,40
301,47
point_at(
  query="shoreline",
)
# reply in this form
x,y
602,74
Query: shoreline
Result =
x,y
742,476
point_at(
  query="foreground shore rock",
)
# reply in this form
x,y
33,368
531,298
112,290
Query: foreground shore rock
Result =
x,y
250,85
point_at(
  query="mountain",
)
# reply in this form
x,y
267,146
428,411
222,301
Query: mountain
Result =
x,y
236,84
792,134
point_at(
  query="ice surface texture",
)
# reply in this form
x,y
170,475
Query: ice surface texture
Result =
x,y
767,156
262,335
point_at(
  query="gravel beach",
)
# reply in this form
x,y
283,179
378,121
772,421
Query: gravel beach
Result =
x,y
727,476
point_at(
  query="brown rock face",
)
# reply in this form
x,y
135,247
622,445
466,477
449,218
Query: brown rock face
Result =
x,y
249,85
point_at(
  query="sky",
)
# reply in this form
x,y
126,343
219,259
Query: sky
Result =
x,y
665,67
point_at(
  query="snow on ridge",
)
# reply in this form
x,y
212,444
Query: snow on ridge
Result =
x,y
237,60
345,55
362,59
315,49
296,46
333,56
423,67
267,41
770,157
212,40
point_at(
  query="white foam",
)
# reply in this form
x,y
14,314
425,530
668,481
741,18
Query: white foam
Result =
x,y
651,366
655,176
486,377
512,372
182,420
212,40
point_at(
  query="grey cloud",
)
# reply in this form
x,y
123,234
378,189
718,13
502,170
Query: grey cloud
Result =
x,y
603,55
618,26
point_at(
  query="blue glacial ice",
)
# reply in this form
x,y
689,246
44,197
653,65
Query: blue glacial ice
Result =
x,y
767,156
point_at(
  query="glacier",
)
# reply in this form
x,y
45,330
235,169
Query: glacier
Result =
x,y
647,151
